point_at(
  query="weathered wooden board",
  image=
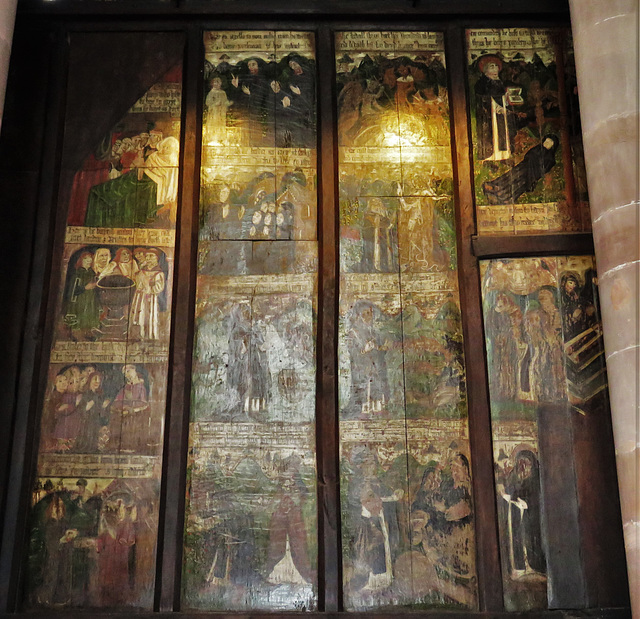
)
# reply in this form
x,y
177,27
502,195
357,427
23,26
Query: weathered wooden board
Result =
x,y
251,525
544,347
407,514
527,145
93,523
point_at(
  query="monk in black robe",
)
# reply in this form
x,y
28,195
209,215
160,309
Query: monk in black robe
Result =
x,y
539,160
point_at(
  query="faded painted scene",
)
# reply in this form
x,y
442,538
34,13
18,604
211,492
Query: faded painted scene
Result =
x,y
110,408
251,526
131,178
527,145
94,518
100,533
544,346
407,513
260,203
251,535
115,293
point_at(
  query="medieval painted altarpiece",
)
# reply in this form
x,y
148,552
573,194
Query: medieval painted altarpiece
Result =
x,y
405,505
544,348
405,475
527,143
542,327
94,517
251,524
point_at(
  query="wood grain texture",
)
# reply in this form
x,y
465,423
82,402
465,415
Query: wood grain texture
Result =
x,y
21,464
488,563
329,555
485,247
172,501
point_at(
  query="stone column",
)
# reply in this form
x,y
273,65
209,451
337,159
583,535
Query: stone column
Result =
x,y
7,19
606,48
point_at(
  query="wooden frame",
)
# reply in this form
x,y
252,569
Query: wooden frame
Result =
x,y
191,17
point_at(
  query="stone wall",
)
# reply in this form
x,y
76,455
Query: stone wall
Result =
x,y
606,47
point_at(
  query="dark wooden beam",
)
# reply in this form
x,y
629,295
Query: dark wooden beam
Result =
x,y
595,613
355,8
172,500
24,123
601,537
42,283
329,551
484,247
488,559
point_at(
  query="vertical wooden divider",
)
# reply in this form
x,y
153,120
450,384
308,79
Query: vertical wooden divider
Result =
x,y
329,551
172,500
488,559
40,296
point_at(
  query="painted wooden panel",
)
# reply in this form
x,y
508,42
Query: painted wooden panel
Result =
x,y
251,526
407,513
93,523
544,347
527,145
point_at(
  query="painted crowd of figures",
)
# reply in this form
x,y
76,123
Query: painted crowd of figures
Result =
x,y
369,87
258,210
93,520
272,103
544,346
530,337
401,363
93,545
133,184
384,231
416,545
115,294
249,539
100,408
394,217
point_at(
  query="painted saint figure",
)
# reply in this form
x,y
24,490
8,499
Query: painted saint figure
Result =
x,y
369,381
82,309
507,345
573,307
247,371
93,409
66,398
494,121
83,521
49,560
295,122
161,166
145,308
254,96
379,238
217,103
375,529
129,426
287,554
428,501
522,495
113,544
554,385
101,260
